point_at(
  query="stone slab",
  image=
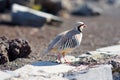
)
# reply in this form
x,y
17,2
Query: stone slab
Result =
x,y
62,72
4,75
110,50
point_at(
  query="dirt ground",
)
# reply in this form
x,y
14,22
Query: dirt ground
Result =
x,y
101,31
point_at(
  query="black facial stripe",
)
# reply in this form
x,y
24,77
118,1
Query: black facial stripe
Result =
x,y
79,27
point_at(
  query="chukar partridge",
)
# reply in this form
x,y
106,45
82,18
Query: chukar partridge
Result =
x,y
66,41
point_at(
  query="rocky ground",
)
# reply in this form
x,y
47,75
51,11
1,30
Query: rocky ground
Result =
x,y
101,31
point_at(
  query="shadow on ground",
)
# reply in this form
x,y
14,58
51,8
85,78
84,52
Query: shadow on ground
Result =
x,y
44,63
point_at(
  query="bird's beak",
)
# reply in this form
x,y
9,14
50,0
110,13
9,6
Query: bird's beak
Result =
x,y
84,26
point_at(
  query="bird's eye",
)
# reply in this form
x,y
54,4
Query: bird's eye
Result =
x,y
81,25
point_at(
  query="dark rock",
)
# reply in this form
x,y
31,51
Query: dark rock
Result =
x,y
110,1
87,10
27,19
50,6
2,5
21,2
116,76
12,49
116,65
3,50
113,2
18,48
115,69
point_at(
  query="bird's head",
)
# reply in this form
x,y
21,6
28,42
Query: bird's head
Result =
x,y
79,26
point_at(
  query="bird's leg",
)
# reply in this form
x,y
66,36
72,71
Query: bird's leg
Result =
x,y
63,54
66,61
59,57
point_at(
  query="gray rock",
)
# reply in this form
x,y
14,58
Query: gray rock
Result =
x,y
87,10
22,15
83,7
114,2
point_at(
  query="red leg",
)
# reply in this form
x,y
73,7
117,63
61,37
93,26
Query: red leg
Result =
x,y
66,61
59,57
63,54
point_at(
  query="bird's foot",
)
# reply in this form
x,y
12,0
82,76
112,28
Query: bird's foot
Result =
x,y
67,59
63,61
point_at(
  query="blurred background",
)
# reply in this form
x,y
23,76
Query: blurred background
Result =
x,y
39,21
